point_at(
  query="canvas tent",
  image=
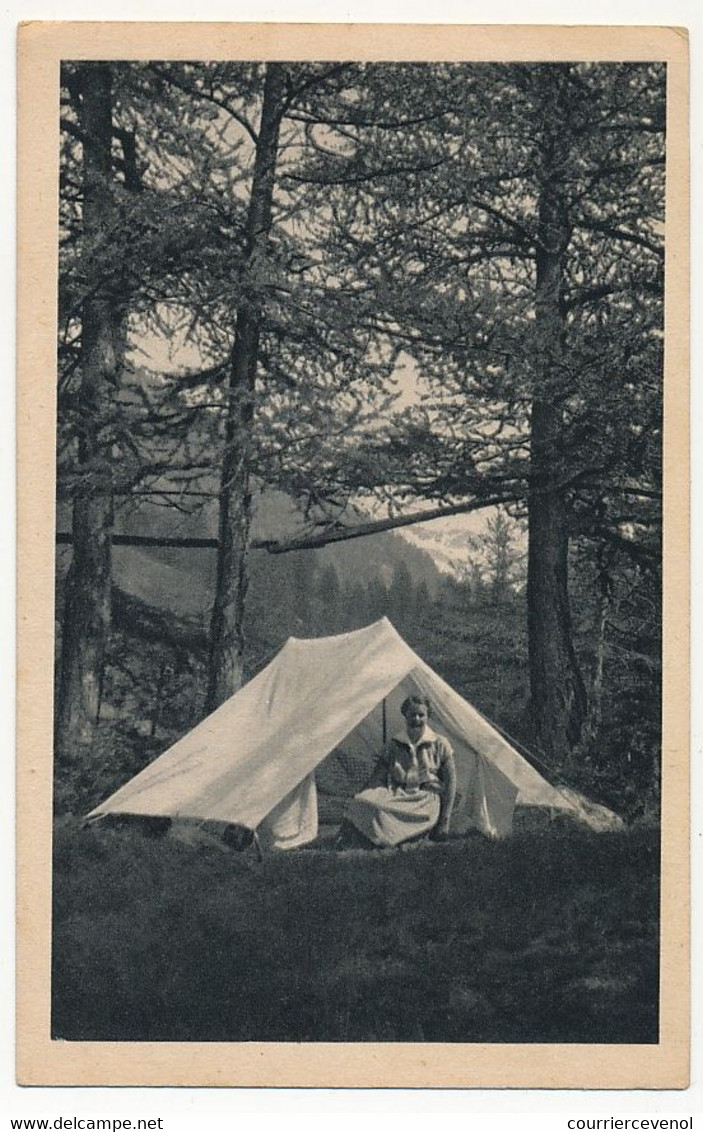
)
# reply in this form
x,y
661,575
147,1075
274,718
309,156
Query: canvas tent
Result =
x,y
252,761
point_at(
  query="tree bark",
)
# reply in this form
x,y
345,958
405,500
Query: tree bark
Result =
x,y
86,617
558,695
226,626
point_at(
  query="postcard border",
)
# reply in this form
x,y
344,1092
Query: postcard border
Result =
x,y
41,1061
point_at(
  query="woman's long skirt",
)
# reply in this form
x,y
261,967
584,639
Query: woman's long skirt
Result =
x,y
389,817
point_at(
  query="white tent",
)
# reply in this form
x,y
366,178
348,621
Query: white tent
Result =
x,y
252,761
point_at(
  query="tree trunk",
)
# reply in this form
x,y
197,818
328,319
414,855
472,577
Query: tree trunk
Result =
x,y
595,707
226,627
558,695
86,617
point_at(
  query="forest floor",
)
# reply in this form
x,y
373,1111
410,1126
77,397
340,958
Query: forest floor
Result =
x,y
544,937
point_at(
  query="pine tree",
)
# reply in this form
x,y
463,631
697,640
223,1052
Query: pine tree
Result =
x,y
500,554
227,625
86,616
330,596
401,597
520,264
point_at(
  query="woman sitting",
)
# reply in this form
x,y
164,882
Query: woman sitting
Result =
x,y
411,792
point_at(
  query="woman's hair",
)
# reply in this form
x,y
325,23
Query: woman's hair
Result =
x,y
410,700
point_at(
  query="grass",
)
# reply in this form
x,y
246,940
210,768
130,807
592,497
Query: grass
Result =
x,y
547,937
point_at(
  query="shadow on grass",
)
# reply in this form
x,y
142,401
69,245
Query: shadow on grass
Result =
x,y
548,937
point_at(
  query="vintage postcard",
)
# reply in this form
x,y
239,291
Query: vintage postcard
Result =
x,y
353,534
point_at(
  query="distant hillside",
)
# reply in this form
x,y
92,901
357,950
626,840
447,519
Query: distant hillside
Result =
x,y
303,593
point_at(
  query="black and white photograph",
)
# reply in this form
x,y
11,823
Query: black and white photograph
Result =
x,y
357,623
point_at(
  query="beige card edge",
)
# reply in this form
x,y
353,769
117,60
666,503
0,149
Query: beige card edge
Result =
x,y
41,1061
